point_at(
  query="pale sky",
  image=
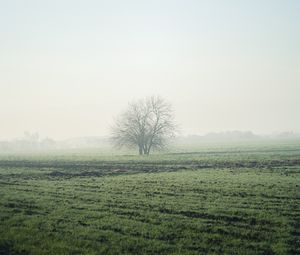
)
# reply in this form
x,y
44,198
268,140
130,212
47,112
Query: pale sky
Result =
x,y
67,68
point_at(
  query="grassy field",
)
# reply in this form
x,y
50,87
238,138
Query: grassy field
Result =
x,y
219,200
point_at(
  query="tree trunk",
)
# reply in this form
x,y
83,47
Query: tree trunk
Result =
x,y
149,148
140,150
146,150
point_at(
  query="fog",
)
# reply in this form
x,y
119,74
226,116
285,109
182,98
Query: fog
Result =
x,y
68,68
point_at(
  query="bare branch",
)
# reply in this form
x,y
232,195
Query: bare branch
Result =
x,y
147,124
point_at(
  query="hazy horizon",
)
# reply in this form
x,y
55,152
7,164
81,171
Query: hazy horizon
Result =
x,y
227,134
68,68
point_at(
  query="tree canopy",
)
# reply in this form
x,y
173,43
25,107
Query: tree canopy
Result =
x,y
147,124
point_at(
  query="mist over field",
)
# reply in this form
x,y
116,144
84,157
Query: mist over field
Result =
x,y
68,68
33,142
149,127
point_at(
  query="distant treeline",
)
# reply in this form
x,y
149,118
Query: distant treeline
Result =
x,y
32,141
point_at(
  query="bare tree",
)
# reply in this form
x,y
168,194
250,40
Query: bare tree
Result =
x,y
147,124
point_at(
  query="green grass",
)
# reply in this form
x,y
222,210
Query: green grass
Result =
x,y
240,200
